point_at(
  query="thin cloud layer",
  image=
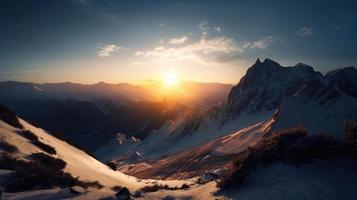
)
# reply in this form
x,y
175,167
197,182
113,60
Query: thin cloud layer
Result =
x,y
206,50
178,40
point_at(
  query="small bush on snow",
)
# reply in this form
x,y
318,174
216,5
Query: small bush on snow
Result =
x,y
45,147
156,187
116,188
9,117
29,135
4,145
35,141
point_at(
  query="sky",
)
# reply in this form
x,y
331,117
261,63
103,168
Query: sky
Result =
x,y
89,41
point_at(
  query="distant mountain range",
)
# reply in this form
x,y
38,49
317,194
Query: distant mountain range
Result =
x,y
90,115
269,97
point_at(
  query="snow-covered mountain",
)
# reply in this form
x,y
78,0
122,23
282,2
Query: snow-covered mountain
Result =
x,y
302,95
195,161
79,164
268,98
21,141
283,96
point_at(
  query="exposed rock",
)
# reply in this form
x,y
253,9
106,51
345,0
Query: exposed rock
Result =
x,y
207,177
123,194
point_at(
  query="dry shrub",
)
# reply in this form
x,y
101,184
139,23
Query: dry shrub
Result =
x,y
4,145
292,146
41,172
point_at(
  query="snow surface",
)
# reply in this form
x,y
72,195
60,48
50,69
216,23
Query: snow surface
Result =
x,y
320,180
328,118
194,161
170,139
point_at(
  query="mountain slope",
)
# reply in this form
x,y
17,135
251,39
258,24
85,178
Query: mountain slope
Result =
x,y
291,96
22,136
195,161
79,164
311,181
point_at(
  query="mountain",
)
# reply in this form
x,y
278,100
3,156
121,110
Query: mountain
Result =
x,y
246,148
34,165
197,160
268,98
206,94
302,95
37,165
121,92
266,84
91,115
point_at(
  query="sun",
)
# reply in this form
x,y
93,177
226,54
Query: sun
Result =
x,y
170,79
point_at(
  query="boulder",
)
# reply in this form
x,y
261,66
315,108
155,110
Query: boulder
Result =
x,y
207,177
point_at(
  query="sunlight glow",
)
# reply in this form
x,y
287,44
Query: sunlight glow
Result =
x,y
170,79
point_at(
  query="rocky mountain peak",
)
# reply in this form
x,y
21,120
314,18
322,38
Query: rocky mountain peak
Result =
x,y
258,72
266,83
257,62
266,65
271,63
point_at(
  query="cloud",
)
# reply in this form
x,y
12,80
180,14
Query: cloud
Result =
x,y
218,29
305,31
178,40
204,26
206,50
260,44
107,50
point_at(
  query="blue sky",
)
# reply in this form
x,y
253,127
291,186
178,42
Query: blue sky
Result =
x,y
212,41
